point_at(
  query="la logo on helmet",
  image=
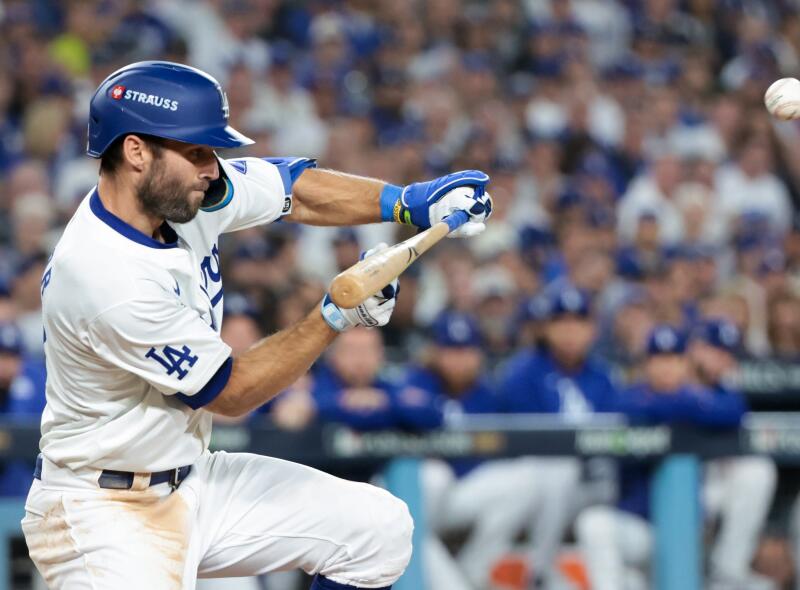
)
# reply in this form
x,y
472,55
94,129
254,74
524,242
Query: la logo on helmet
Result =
x,y
118,92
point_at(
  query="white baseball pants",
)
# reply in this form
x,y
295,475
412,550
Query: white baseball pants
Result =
x,y
234,515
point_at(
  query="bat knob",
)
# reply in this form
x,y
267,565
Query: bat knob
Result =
x,y
346,292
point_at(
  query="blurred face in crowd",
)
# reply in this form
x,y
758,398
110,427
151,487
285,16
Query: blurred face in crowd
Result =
x,y
756,158
356,356
240,332
632,324
569,338
593,271
667,373
647,233
784,326
10,365
346,253
458,366
667,173
711,364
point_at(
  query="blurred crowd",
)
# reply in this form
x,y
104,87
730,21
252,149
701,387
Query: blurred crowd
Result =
x,y
643,239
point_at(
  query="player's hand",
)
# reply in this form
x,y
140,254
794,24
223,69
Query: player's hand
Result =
x,y
424,204
375,311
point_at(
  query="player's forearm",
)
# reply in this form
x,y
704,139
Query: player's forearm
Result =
x,y
272,365
327,197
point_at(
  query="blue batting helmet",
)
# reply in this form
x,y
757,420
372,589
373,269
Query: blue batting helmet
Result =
x,y
164,99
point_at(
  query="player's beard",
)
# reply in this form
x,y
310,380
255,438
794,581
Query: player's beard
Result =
x,y
165,196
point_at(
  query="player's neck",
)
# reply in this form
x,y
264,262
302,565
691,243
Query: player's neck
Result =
x,y
119,198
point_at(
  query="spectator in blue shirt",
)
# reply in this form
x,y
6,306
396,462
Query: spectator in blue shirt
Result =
x,y
738,491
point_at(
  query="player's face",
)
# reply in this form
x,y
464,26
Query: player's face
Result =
x,y
458,366
174,186
666,373
356,356
569,338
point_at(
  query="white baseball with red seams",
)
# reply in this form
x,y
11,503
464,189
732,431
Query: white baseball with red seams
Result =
x,y
782,99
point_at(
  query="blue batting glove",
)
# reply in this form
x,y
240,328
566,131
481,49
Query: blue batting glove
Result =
x,y
426,203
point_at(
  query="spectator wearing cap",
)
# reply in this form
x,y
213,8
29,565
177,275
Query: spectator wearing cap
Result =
x,y
22,398
617,542
737,492
494,499
563,379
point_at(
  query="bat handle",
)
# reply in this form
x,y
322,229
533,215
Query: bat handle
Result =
x,y
456,219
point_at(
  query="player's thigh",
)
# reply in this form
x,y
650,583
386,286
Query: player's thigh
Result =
x,y
499,486
93,540
260,514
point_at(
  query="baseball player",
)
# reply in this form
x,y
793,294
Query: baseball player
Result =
x,y
126,493
559,377
493,499
738,490
617,542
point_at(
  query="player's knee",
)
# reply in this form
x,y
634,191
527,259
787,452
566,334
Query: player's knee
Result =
x,y
378,539
391,534
755,475
594,523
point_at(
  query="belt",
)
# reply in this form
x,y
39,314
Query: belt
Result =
x,y
123,480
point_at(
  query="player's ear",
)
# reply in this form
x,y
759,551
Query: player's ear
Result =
x,y
135,152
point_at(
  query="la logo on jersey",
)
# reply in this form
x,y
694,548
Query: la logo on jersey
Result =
x,y
120,92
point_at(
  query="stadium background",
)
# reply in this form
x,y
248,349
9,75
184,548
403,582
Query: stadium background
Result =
x,y
629,150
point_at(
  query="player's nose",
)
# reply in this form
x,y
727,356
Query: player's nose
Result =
x,y
209,170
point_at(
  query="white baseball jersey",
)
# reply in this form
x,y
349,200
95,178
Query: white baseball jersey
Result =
x,y
131,328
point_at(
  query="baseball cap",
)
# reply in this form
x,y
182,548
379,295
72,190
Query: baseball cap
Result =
x,y
535,309
456,329
720,333
10,339
665,339
570,300
237,304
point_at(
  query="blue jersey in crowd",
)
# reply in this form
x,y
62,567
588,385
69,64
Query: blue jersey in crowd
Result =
x,y
398,411
24,400
534,382
690,405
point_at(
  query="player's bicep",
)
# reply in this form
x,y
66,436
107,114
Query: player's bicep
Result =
x,y
166,344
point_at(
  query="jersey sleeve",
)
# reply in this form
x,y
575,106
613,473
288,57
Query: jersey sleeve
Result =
x,y
166,344
252,191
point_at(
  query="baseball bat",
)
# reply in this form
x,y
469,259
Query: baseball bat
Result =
x,y
354,285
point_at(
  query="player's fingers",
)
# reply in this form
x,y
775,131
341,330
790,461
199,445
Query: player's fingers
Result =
x,y
468,230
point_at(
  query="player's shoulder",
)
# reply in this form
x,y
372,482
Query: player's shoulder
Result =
x,y
89,271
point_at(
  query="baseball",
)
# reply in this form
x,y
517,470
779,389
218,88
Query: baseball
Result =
x,y
783,99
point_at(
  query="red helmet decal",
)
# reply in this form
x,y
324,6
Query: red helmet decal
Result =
x,y
118,92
